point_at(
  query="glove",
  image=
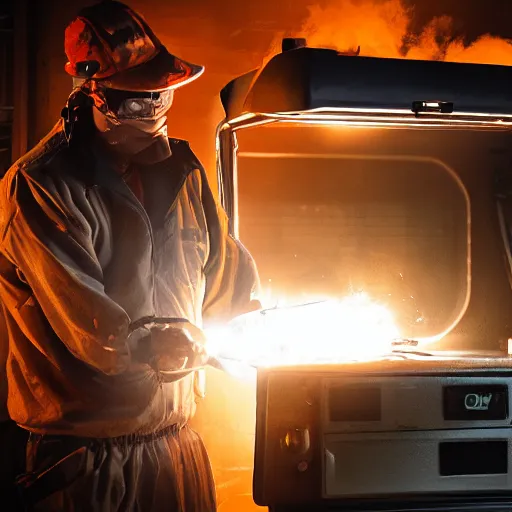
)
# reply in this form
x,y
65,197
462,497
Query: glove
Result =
x,y
175,349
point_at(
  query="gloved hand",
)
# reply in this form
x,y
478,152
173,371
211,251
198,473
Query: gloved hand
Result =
x,y
173,347
177,347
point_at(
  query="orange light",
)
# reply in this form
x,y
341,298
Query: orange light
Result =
x,y
354,328
381,29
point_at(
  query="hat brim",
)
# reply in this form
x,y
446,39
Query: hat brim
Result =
x,y
162,72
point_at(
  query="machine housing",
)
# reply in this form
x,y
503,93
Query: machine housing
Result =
x,y
425,431
420,432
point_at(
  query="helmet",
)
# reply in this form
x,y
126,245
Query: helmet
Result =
x,y
113,45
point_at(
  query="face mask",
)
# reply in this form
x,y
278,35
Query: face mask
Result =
x,y
133,123
142,142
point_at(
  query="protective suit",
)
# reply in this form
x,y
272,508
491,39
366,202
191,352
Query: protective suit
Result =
x,y
107,226
12,438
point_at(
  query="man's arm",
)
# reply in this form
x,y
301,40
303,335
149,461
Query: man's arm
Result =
x,y
232,280
50,242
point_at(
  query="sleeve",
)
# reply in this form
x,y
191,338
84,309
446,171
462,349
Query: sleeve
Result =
x,y
50,242
232,280
4,352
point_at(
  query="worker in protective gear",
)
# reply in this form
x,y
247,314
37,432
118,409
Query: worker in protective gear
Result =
x,y
115,255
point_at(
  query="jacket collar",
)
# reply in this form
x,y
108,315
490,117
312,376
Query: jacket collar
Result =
x,y
107,170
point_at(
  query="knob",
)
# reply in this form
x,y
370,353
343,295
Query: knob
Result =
x,y
296,440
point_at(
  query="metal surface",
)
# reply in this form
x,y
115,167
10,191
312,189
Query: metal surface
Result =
x,y
380,463
387,463
310,78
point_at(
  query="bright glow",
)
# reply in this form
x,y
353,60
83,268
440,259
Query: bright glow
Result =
x,y
354,328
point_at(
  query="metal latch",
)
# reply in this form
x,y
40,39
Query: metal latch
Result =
x,y
442,107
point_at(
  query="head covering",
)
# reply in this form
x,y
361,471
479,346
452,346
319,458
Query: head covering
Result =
x,y
112,44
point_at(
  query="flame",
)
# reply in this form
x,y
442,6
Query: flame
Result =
x,y
382,29
353,328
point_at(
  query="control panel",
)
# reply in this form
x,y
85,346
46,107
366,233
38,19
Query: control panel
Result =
x,y
332,434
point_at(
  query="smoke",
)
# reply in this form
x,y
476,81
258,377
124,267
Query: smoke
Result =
x,y
382,29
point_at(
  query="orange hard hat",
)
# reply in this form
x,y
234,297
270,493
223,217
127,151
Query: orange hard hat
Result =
x,y
111,43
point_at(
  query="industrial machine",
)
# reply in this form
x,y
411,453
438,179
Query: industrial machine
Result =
x,y
391,177
410,434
